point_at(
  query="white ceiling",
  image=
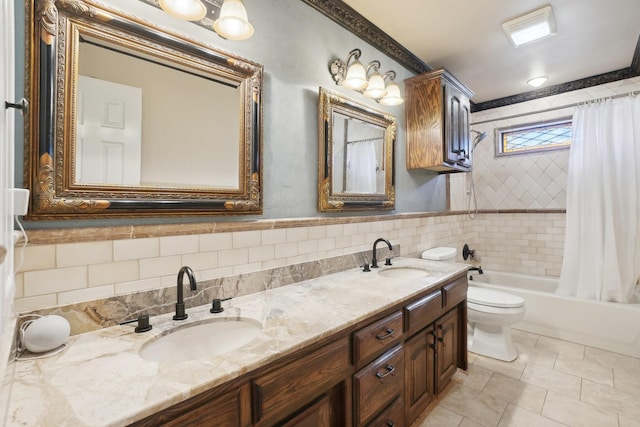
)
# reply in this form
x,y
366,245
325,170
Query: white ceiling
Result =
x,y
466,38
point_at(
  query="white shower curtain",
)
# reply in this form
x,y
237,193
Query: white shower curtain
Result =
x,y
602,251
361,167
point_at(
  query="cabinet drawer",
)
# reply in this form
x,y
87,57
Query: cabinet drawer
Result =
x,y
420,313
393,416
280,392
378,384
377,337
221,412
454,293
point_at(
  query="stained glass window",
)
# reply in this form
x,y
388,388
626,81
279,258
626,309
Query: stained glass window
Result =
x,y
534,138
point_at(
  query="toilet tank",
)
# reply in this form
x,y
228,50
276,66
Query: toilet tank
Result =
x,y
441,253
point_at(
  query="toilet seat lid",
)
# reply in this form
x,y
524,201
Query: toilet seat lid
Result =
x,y
483,296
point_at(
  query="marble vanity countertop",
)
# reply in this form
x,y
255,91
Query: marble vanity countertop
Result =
x,y
100,380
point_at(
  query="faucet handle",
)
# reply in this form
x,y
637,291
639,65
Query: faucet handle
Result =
x,y
387,261
143,324
216,305
365,267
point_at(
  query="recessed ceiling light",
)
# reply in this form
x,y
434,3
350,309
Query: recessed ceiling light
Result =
x,y
530,27
537,81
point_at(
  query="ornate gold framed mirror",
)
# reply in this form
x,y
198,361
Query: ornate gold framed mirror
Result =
x,y
129,119
356,146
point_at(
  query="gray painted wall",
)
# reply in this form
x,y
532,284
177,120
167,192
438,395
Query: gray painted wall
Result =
x,y
295,43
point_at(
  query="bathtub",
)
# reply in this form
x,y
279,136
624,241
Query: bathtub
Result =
x,y
605,325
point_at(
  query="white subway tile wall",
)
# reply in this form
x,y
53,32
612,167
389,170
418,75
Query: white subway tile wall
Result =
x,y
67,273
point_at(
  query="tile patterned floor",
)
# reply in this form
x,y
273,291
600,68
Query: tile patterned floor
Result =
x,y
553,383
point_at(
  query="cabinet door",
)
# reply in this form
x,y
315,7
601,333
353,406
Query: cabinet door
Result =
x,y
446,348
457,131
419,372
318,415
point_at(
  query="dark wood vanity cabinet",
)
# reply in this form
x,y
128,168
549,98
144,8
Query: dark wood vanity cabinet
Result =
x,y
437,116
438,349
384,371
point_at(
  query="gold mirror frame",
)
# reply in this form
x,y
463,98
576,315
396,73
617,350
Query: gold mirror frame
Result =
x,y
329,201
51,81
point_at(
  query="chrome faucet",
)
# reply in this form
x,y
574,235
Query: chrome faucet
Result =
x,y
180,314
374,260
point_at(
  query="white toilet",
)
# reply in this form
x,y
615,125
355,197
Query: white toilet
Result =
x,y
490,314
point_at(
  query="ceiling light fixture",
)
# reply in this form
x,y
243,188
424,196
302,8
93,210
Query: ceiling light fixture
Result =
x,y
188,10
537,81
530,27
353,75
233,23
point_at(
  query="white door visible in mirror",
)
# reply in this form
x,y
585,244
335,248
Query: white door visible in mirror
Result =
x,y
108,142
358,156
190,119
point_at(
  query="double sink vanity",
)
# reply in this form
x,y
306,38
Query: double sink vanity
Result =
x,y
350,348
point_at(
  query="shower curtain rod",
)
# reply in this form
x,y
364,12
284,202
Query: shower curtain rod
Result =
x,y
546,110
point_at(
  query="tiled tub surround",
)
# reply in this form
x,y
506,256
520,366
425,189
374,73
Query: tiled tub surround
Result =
x,y
525,181
101,381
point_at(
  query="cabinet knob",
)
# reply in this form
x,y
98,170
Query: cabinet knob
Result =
x,y
391,424
389,332
390,370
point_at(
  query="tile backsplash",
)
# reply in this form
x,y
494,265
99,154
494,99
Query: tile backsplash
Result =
x,y
65,273
99,283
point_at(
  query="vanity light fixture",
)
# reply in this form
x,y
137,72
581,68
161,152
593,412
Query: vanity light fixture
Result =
x,y
233,23
353,75
188,10
531,26
537,81
375,87
393,91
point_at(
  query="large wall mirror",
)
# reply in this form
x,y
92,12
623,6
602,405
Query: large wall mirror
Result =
x,y
131,120
356,145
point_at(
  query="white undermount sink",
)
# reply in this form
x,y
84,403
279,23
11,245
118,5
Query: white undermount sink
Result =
x,y
200,340
404,272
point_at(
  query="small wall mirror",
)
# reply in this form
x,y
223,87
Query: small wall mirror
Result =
x,y
356,145
130,120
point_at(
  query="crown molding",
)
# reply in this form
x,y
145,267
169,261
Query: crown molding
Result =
x,y
347,17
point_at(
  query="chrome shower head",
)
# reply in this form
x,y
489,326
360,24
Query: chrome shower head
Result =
x,y
479,137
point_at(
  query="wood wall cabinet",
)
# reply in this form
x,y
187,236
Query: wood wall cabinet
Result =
x,y
383,371
437,116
